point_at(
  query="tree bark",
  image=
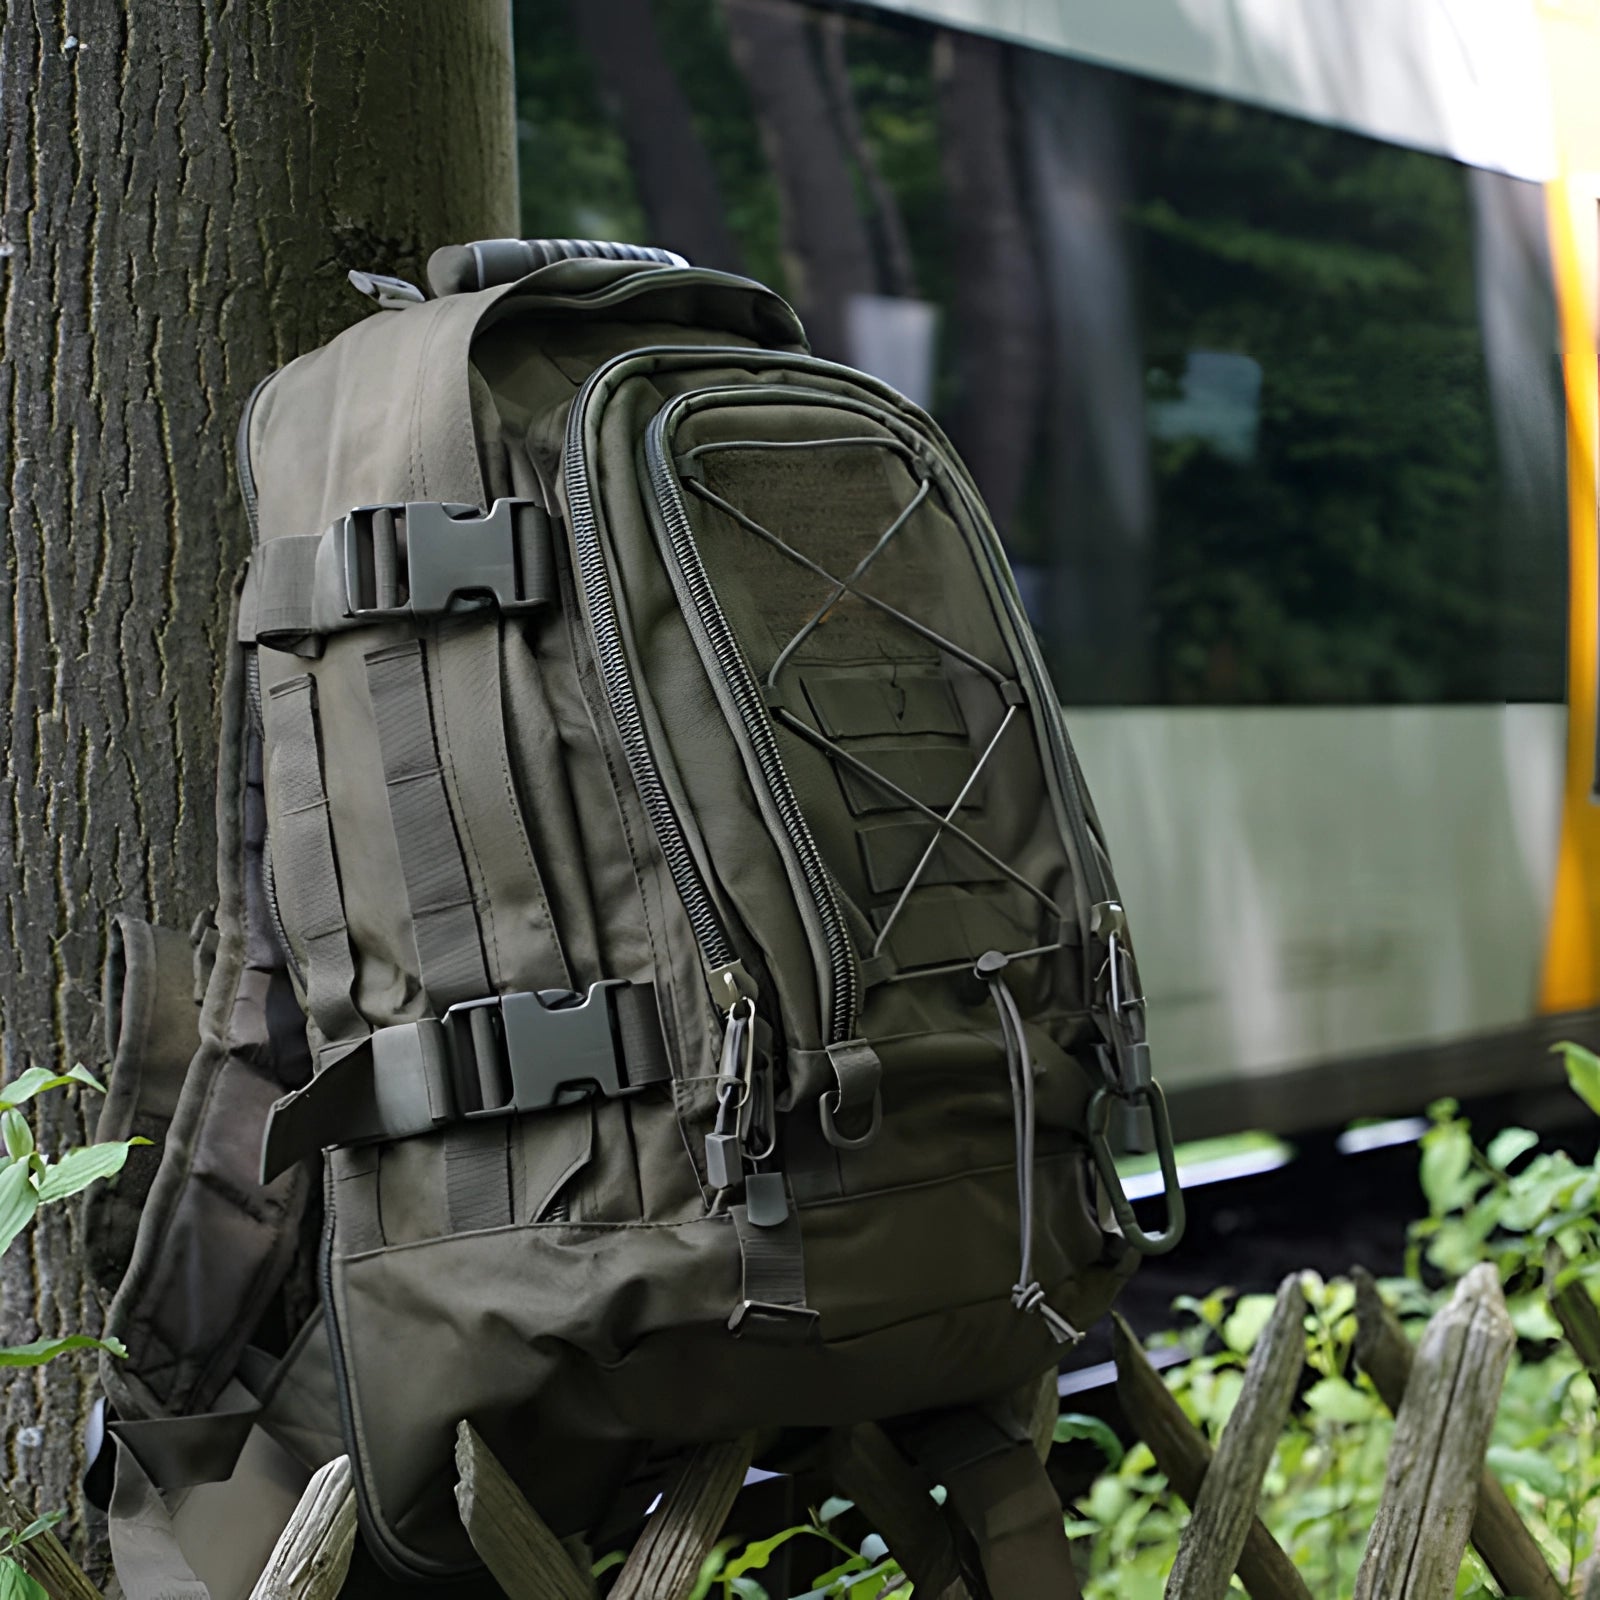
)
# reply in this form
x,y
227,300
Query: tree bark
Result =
x,y
677,184
184,189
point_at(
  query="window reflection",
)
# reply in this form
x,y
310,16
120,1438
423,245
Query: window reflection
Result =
x,y
1267,412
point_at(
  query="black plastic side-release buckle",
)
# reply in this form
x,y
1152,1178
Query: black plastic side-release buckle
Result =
x,y
526,1052
423,557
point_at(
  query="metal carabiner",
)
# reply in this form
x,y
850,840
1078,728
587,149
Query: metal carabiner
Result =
x,y
1147,1244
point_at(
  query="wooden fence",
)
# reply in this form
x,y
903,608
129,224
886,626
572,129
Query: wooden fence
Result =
x,y
1437,1492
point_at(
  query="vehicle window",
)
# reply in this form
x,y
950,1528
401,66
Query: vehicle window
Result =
x,y
1267,412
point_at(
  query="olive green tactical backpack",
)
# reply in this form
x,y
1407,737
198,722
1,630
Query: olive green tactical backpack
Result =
x,y
638,767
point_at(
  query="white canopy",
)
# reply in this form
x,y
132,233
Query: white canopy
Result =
x,y
1463,78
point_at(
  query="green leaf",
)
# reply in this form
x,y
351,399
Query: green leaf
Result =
x,y
756,1555
1338,1400
77,1169
36,1080
1246,1321
43,1350
18,1201
614,1558
16,1133
1583,1072
1447,1167
1532,1319
1508,1144
15,1584
1076,1425
40,1525
1537,1471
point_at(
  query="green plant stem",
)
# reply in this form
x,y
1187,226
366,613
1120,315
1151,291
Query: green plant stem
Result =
x,y
47,1561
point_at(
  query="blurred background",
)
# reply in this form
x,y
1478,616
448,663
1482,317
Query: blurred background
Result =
x,y
1267,331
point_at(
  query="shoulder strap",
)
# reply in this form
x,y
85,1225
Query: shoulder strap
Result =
x,y
213,1248
997,1487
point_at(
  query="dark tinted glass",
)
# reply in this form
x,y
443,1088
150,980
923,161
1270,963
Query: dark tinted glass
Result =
x,y
1267,412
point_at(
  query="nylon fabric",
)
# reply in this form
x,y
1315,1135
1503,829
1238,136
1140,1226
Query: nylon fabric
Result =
x,y
749,761
523,947
303,853
443,916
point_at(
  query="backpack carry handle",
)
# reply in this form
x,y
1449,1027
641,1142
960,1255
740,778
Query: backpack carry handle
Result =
x,y
486,263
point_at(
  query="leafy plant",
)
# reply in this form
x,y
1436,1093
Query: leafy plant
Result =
x,y
1504,1203
29,1180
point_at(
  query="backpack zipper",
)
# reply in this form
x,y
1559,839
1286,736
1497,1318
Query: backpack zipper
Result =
x,y
843,991
716,948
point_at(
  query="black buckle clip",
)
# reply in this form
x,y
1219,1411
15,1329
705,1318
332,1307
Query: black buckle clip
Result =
x,y
527,1052
760,1319
422,557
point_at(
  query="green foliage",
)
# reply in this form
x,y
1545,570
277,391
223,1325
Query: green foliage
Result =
x,y
1504,1204
29,1180
15,1583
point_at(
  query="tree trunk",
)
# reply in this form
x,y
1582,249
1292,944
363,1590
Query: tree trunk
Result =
x,y
677,185
184,189
826,245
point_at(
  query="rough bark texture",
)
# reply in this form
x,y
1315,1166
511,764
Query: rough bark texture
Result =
x,y
184,186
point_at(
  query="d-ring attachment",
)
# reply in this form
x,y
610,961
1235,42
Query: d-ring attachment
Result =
x,y
828,1104
1147,1244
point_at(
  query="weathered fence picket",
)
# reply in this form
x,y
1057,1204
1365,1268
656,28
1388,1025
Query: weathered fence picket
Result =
x,y
523,1556
1441,1433
1214,1537
1184,1457
1499,1535
312,1555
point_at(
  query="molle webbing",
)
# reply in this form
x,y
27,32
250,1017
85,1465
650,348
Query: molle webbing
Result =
x,y
443,919
307,876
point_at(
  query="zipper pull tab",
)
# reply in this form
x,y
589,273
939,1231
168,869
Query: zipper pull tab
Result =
x,y
730,984
735,1070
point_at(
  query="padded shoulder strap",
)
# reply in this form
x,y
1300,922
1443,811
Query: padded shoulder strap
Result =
x,y
213,1247
999,1491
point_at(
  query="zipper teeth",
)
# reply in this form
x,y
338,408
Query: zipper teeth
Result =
x,y
736,674
612,661
247,478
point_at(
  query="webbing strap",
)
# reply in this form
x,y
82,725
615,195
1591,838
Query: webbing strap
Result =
x,y
443,916
403,1081
150,1564
472,738
306,586
444,919
308,875
772,1265
998,1487
1010,1508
